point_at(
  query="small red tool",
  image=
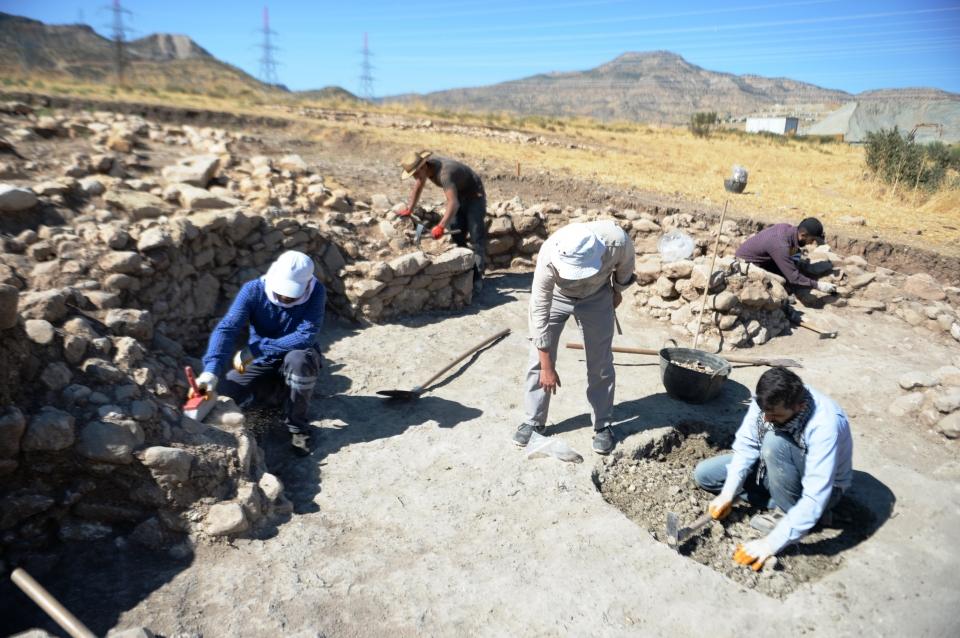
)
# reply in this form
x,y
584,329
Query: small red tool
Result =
x,y
198,405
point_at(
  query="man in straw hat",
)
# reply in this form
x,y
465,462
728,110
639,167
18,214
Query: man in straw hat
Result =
x,y
466,201
284,312
581,271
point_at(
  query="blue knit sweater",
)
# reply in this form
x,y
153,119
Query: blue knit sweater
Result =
x,y
274,331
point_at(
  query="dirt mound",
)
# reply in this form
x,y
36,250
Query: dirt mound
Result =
x,y
660,480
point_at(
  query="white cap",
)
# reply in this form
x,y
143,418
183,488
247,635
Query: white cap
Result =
x,y
289,274
577,252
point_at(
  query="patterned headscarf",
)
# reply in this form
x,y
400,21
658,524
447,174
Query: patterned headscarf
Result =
x,y
793,428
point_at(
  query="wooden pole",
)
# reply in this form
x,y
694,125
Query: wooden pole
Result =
x,y
60,614
713,262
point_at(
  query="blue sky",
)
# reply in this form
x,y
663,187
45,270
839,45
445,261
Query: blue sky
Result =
x,y
427,45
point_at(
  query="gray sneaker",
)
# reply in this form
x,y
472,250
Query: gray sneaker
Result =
x,y
766,521
522,436
603,441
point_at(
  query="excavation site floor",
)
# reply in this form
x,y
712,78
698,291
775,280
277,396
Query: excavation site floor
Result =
x,y
422,518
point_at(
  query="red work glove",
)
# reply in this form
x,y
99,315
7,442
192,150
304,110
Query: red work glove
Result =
x,y
404,213
437,231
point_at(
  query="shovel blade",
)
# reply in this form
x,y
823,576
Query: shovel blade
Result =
x,y
400,395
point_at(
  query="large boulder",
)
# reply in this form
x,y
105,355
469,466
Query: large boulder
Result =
x,y
49,431
195,171
49,305
194,198
924,286
107,442
451,262
137,205
226,519
14,199
170,463
131,323
126,262
409,264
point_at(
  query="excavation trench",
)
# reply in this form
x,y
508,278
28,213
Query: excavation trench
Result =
x,y
657,478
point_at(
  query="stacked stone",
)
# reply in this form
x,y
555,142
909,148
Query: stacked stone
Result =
x,y
82,422
933,398
744,307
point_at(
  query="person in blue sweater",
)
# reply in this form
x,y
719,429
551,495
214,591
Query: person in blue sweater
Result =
x,y
284,313
792,454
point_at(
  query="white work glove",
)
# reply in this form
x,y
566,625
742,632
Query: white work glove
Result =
x,y
826,287
720,506
242,359
755,553
207,382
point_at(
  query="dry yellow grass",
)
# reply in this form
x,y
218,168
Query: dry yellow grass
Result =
x,y
789,179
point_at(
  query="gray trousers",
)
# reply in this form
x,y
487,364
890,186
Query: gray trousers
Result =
x,y
594,315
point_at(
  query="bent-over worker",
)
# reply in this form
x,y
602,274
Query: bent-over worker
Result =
x,y
466,208
284,312
792,454
777,249
581,270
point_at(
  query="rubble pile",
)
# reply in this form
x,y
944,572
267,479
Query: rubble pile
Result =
x,y
932,398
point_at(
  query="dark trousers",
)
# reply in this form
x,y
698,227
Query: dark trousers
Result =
x,y
470,219
290,379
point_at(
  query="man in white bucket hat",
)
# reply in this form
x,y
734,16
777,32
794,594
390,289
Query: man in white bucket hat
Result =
x,y
581,270
284,313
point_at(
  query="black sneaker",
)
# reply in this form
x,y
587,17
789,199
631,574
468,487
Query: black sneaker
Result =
x,y
522,436
300,444
603,441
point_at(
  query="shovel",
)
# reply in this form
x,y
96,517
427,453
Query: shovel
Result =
x,y
420,389
753,361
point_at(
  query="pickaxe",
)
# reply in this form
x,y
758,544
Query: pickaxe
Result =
x,y
420,226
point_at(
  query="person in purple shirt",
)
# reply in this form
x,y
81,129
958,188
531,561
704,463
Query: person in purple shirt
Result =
x,y
777,249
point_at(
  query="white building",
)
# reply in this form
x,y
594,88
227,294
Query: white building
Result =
x,y
778,125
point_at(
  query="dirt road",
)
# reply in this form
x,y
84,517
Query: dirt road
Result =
x,y
423,519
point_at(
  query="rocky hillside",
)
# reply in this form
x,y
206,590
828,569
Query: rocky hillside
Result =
x,y
165,61
651,86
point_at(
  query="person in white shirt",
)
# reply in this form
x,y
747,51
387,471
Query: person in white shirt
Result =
x,y
581,270
792,454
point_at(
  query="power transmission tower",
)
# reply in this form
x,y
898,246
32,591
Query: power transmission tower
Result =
x,y
268,65
119,40
366,76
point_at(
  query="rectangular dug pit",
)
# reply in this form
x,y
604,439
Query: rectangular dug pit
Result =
x,y
658,478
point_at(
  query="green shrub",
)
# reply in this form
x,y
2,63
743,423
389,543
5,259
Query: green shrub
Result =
x,y
702,123
900,161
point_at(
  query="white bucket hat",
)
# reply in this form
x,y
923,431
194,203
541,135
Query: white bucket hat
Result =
x,y
290,274
577,252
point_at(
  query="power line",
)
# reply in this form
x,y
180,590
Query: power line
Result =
x,y
366,75
268,64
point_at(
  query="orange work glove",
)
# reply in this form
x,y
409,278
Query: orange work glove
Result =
x,y
755,553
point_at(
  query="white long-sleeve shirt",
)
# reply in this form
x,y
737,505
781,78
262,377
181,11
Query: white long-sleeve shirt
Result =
x,y
828,465
618,261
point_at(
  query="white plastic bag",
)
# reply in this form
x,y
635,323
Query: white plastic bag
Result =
x,y
675,245
540,445
739,174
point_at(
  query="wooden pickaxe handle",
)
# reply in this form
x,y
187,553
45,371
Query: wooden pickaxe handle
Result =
x,y
758,361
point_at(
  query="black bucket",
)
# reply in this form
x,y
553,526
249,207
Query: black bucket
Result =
x,y
692,386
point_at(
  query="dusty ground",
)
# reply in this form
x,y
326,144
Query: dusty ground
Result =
x,y
423,519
